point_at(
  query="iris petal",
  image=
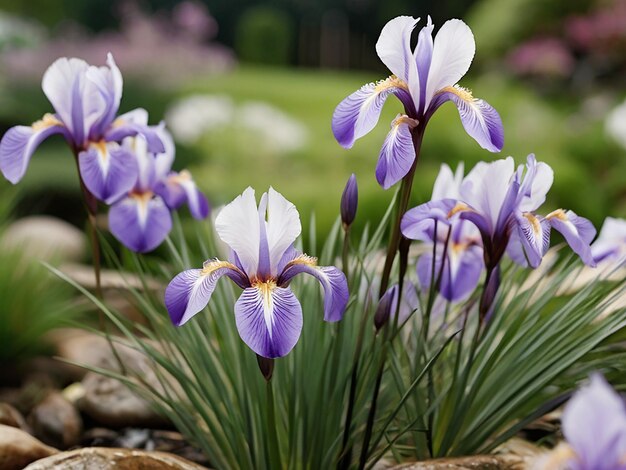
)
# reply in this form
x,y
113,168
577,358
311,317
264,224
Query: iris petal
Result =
x,y
358,114
108,170
333,282
593,424
397,154
179,188
269,319
140,222
237,225
577,231
394,46
480,120
418,223
19,143
190,291
534,234
452,55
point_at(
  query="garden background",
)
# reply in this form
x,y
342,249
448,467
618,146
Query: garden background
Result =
x,y
248,89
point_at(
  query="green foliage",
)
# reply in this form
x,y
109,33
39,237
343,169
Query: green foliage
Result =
x,y
264,36
460,389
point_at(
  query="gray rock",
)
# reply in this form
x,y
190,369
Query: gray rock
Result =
x,y
18,448
56,422
111,403
101,458
477,462
45,238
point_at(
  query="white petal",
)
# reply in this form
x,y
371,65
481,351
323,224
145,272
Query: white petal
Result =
x,y
283,226
237,225
453,53
394,46
448,185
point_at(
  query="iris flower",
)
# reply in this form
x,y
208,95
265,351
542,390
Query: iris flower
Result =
x,y
594,426
141,219
611,242
423,80
502,202
85,99
263,263
459,240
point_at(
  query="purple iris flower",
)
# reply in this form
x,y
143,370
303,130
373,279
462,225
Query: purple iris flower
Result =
x,y
423,80
501,202
141,219
456,241
86,99
611,242
263,263
594,425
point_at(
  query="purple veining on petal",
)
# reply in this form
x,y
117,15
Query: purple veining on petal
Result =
x,y
269,320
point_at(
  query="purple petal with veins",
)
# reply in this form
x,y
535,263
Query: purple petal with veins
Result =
x,y
141,222
108,170
269,319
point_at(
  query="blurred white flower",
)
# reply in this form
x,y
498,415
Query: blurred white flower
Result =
x,y
277,130
192,117
615,125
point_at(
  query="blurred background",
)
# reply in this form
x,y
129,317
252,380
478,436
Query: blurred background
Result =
x,y
248,88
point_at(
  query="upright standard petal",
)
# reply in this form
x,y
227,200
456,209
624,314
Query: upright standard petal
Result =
x,y
109,83
577,231
480,120
283,227
537,182
357,115
398,153
486,186
269,319
141,222
423,57
594,424
190,291
76,100
448,184
394,46
237,225
333,282
108,170
452,55
19,143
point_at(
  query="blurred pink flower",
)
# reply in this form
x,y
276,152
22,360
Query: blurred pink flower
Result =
x,y
545,56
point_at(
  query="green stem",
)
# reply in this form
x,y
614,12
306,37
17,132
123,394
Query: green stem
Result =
x,y
403,204
345,252
273,451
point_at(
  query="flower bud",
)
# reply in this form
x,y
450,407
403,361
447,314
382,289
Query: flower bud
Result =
x,y
386,305
349,201
266,366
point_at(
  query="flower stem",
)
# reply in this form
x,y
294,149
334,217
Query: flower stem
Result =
x,y
345,253
403,203
273,451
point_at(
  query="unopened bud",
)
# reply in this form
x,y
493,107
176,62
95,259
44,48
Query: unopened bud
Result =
x,y
385,306
349,201
266,366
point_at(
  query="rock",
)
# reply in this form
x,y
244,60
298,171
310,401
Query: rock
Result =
x,y
9,416
477,462
102,458
56,422
45,238
18,448
111,403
